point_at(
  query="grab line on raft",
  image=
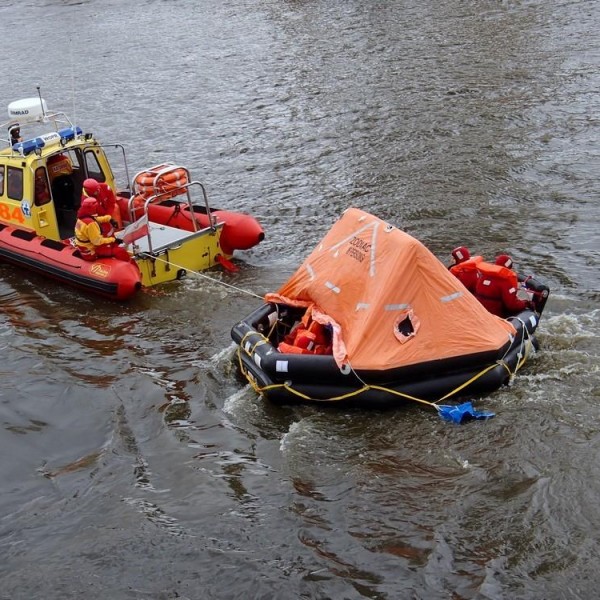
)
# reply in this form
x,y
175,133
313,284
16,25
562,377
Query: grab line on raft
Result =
x,y
260,342
444,411
523,351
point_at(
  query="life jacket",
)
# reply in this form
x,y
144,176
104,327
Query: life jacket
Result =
x,y
467,272
307,337
108,202
496,289
59,164
88,229
82,241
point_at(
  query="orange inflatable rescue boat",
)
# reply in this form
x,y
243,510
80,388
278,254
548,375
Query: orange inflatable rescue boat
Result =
x,y
164,221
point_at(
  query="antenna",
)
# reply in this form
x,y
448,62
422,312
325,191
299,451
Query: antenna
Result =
x,y
37,87
72,78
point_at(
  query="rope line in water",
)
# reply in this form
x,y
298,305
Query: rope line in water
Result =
x,y
200,274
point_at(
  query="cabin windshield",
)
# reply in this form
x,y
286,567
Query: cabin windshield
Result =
x,y
93,167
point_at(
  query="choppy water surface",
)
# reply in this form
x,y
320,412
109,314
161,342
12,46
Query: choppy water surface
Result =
x,y
137,465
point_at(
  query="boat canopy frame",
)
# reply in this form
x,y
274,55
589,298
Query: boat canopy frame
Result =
x,y
184,189
128,189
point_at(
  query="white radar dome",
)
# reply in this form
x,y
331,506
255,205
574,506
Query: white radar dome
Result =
x,y
28,109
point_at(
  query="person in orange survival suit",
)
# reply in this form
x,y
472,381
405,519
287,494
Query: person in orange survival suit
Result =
x,y
107,201
88,236
497,287
464,267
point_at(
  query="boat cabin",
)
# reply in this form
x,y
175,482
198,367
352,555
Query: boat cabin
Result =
x,y
42,174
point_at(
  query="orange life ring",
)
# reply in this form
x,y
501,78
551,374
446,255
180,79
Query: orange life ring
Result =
x,y
152,182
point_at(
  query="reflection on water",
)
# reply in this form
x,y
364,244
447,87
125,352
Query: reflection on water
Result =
x,y
138,464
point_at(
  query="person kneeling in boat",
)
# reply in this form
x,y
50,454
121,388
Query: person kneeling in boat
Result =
x,y
464,267
88,234
107,201
497,288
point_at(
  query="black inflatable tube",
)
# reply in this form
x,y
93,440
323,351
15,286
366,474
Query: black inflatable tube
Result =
x,y
318,378
319,391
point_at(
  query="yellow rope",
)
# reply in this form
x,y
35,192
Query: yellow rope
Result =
x,y
366,387
361,390
474,378
260,342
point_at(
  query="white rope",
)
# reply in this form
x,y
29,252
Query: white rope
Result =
x,y
200,274
525,338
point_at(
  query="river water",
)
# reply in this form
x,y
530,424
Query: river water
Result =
x,y
137,465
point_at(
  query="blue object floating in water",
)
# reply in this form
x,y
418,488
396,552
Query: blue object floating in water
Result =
x,y
463,412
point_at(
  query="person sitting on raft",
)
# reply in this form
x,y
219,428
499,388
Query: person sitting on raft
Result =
x,y
88,235
497,288
464,267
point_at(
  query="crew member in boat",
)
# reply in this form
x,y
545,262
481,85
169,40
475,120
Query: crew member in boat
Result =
x,y
464,267
107,201
60,171
497,287
14,131
88,234
42,193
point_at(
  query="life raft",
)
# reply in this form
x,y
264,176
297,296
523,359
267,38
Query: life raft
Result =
x,y
287,375
402,328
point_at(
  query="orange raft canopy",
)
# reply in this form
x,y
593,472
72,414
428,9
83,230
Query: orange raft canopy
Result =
x,y
393,325
372,282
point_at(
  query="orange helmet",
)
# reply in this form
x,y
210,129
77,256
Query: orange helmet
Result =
x,y
504,260
91,187
89,208
461,254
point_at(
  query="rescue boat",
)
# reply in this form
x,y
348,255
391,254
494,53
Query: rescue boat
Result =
x,y
165,213
372,318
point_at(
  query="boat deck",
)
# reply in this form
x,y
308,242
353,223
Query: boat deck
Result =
x,y
164,237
